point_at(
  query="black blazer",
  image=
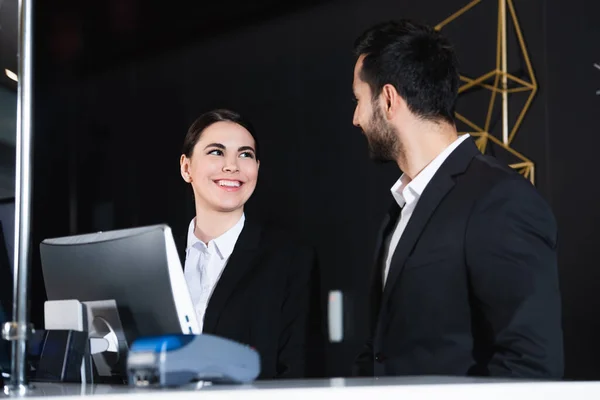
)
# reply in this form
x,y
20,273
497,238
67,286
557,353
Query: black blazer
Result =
x,y
472,287
268,297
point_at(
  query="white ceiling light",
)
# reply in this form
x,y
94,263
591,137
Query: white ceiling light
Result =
x,y
11,75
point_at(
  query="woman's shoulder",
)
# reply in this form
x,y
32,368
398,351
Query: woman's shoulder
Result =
x,y
277,236
288,248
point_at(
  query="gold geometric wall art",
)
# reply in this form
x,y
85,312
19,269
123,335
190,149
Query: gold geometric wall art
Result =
x,y
500,83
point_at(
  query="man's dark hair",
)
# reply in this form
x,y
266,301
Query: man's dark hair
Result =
x,y
209,118
417,60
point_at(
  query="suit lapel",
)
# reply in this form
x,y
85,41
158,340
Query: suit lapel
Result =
x,y
181,244
239,263
388,224
441,183
430,199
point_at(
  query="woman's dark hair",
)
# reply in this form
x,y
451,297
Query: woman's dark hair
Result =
x,y
209,118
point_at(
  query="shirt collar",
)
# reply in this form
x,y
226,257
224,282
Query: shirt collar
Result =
x,y
405,191
224,243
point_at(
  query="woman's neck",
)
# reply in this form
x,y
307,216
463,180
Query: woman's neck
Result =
x,y
210,224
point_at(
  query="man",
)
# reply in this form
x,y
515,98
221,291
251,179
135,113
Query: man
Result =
x,y
465,278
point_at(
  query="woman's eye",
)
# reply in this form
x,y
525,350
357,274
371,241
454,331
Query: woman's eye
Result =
x,y
216,152
247,154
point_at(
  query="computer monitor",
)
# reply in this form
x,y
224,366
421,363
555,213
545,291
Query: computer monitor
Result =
x,y
139,268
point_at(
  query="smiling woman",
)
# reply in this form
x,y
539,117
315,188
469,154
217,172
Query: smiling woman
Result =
x,y
220,162
248,283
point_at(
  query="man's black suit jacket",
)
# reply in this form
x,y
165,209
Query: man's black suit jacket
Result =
x,y
268,297
473,283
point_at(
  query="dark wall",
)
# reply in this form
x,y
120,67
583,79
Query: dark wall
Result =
x,y
108,138
573,141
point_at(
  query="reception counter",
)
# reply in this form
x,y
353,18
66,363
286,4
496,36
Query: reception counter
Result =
x,y
400,388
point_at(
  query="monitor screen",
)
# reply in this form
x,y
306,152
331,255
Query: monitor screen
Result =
x,y
138,268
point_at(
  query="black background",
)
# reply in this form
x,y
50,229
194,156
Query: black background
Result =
x,y
117,83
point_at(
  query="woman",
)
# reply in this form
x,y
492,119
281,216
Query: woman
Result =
x,y
247,283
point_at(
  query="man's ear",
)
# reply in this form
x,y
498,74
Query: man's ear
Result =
x,y
392,101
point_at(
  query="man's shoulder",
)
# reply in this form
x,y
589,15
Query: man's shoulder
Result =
x,y
490,181
487,175
491,169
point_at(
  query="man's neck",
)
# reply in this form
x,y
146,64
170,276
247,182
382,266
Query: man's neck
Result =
x,y
422,144
210,224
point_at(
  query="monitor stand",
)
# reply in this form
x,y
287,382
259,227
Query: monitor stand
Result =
x,y
104,345
104,322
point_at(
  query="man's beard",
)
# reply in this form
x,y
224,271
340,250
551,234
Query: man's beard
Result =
x,y
384,145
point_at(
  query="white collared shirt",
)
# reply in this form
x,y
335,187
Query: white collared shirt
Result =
x,y
407,194
205,264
